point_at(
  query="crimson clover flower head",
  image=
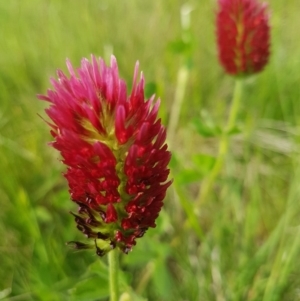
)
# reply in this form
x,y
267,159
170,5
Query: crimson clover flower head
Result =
x,y
114,148
243,36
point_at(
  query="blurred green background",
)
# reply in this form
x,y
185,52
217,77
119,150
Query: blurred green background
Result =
x,y
242,244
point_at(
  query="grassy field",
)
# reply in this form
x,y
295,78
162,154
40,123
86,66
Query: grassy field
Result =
x,y
242,243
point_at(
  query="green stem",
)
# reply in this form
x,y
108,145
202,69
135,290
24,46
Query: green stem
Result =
x,y
113,275
235,104
223,146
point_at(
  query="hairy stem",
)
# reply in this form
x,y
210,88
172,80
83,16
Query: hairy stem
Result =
x,y
223,146
113,275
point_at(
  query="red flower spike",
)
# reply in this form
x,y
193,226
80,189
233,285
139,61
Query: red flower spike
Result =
x,y
243,36
114,148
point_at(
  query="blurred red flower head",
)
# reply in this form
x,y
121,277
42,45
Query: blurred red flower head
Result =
x,y
114,148
243,36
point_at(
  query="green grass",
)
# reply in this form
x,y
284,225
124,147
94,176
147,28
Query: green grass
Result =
x,y
242,244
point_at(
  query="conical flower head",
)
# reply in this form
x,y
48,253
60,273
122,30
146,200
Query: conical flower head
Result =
x,y
243,36
114,148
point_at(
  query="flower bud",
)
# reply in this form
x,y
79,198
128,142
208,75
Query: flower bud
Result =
x,y
243,36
